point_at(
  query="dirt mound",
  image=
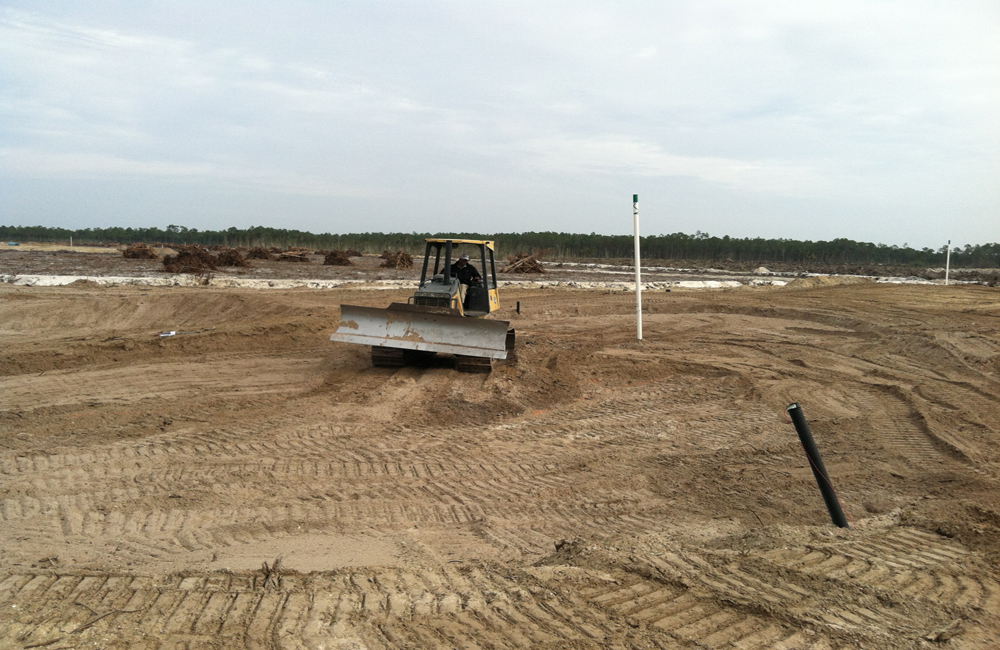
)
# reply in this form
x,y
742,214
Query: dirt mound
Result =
x,y
337,258
259,253
350,252
190,259
397,260
86,284
232,257
989,277
522,263
140,251
826,281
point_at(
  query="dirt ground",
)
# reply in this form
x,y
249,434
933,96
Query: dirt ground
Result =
x,y
246,483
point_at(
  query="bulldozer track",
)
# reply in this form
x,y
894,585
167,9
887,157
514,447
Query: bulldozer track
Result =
x,y
902,431
704,599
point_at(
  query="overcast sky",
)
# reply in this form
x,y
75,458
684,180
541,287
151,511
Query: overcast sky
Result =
x,y
874,121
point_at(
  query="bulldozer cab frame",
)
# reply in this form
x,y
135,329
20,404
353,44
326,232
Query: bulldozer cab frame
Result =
x,y
434,320
439,288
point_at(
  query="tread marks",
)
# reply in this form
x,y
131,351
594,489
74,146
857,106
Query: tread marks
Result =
x,y
895,420
923,568
686,616
261,621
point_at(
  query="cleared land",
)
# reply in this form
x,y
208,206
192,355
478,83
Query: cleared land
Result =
x,y
594,492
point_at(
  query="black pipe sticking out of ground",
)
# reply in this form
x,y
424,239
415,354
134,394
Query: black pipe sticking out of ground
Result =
x,y
816,463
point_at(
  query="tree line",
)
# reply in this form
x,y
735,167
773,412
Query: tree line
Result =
x,y
557,245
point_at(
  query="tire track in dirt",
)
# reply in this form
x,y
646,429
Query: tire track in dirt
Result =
x,y
158,533
687,618
752,601
901,429
462,607
607,420
442,488
919,565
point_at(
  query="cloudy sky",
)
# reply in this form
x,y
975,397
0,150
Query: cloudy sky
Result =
x,y
875,121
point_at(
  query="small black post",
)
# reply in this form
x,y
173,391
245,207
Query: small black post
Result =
x,y
519,306
816,463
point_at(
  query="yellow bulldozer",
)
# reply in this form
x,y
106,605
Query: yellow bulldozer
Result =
x,y
437,318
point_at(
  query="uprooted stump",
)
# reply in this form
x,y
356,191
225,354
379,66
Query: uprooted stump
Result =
x,y
397,260
337,258
350,252
522,263
190,259
293,256
140,251
259,253
232,257
271,574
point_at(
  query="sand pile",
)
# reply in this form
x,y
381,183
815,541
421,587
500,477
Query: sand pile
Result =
x,y
826,281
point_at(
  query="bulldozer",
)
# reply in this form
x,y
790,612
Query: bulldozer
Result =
x,y
436,319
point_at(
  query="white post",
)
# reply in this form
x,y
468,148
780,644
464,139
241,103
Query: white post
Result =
x,y
71,241
638,285
947,264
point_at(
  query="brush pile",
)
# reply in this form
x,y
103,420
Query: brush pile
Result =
x,y
231,257
190,259
337,258
259,253
522,263
397,260
140,251
294,255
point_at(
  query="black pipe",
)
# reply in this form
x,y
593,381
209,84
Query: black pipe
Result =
x,y
816,463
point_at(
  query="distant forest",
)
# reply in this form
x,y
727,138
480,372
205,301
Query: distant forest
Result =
x,y
678,246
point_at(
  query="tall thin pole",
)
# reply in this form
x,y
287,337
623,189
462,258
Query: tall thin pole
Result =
x,y
638,285
947,264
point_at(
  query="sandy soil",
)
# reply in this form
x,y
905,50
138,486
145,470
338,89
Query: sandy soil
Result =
x,y
592,492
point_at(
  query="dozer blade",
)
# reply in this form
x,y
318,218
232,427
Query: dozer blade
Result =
x,y
413,328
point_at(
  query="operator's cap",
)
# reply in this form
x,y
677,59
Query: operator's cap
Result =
x,y
465,256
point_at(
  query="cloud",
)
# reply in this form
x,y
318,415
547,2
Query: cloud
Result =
x,y
28,163
625,157
881,110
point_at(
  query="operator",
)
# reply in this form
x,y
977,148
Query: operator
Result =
x,y
466,274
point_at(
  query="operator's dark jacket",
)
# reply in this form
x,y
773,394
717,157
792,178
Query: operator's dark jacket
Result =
x,y
465,275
